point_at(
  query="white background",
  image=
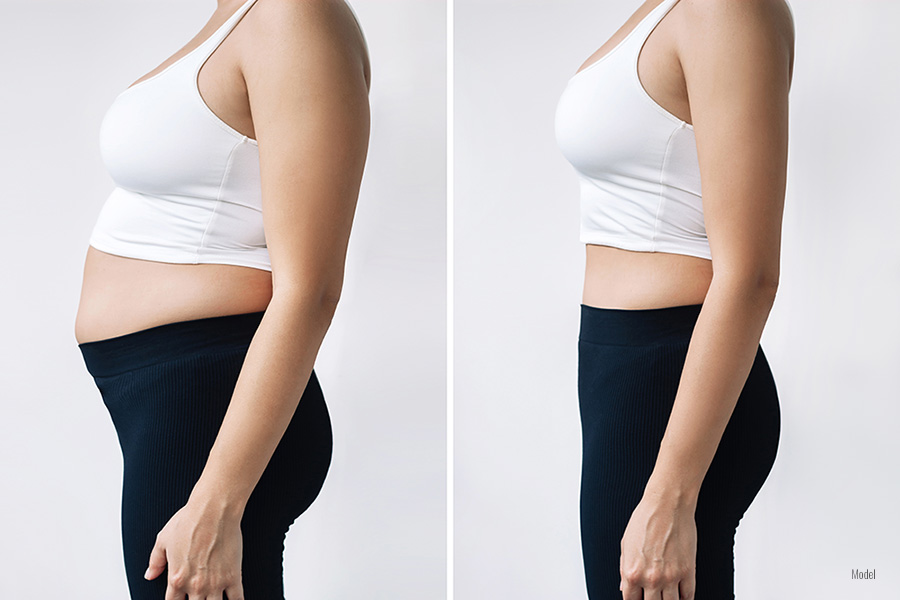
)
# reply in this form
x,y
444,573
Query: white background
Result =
x,y
377,531
833,337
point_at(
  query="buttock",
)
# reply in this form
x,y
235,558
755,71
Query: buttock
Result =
x,y
630,365
167,389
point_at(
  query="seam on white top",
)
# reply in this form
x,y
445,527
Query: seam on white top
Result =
x,y
212,214
662,185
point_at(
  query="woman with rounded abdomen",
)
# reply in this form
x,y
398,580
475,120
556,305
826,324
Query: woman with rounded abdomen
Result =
x,y
211,277
679,409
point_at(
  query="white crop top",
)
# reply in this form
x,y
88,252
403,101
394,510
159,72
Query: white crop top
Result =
x,y
636,162
187,184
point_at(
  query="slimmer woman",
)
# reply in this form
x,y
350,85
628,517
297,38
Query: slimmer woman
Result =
x,y
679,409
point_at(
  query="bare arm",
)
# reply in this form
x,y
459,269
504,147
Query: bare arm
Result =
x,y
736,60
736,71
308,96
307,82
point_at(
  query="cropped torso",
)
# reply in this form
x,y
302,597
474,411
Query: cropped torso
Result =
x,y
187,185
181,235
636,164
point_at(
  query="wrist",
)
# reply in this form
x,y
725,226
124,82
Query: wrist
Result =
x,y
216,502
675,493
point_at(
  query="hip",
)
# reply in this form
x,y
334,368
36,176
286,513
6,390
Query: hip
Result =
x,y
630,364
629,371
182,373
167,390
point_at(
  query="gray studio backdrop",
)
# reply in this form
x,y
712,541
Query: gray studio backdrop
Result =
x,y
378,529
833,337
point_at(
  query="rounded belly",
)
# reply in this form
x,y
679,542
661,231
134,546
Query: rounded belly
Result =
x,y
617,278
122,295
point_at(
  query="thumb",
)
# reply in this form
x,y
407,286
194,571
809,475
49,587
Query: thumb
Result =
x,y
157,561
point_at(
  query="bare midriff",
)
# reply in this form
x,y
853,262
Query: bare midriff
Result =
x,y
618,278
121,295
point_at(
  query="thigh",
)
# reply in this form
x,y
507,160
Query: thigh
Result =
x,y
626,394
167,417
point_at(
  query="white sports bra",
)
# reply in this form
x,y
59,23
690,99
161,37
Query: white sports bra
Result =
x,y
636,162
187,184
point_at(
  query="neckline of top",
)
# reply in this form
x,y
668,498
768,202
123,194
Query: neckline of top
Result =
x,y
190,53
622,42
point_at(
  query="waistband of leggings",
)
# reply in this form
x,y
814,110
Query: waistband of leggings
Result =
x,y
181,339
637,327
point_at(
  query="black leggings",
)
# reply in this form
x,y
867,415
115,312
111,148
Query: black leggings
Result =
x,y
167,389
630,363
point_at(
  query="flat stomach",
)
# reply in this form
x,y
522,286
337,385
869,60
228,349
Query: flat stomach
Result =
x,y
121,295
618,278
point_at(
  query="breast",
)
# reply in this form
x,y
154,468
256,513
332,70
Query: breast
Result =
x,y
156,140
637,165
187,185
603,128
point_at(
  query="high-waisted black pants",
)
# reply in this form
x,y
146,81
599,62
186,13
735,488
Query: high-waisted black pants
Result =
x,y
167,389
630,363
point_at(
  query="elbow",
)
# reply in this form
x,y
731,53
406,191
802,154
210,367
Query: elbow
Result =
x,y
766,288
328,301
324,301
764,283
761,286
319,301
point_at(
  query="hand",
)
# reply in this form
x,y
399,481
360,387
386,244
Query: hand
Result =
x,y
659,551
203,549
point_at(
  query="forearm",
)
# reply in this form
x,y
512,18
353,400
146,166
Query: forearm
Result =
x,y
721,353
274,375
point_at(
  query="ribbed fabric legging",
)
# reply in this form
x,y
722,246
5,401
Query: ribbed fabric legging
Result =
x,y
167,389
630,363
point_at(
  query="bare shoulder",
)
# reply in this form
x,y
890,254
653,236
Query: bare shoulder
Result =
x,y
304,28
304,16
773,12
750,17
764,28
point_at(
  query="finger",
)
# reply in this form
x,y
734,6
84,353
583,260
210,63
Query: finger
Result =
x,y
625,587
157,562
235,592
219,597
631,591
173,594
687,587
652,593
670,592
